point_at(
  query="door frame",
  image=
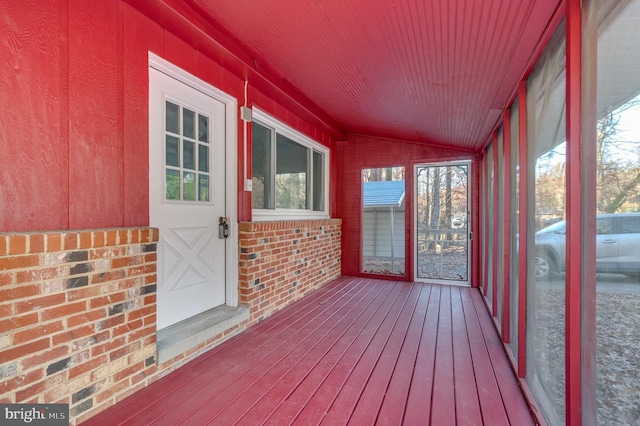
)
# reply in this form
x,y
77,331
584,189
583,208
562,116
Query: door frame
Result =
x,y
231,165
416,165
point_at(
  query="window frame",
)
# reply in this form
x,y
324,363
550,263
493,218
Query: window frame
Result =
x,y
279,128
181,169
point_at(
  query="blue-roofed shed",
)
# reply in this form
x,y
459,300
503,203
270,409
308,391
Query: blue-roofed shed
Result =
x,y
383,194
383,220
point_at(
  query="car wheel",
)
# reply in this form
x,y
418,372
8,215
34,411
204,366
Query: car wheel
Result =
x,y
543,265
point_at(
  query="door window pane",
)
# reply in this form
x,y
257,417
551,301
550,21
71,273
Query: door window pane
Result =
x,y
172,151
188,155
172,117
203,158
172,185
189,186
188,124
203,187
203,128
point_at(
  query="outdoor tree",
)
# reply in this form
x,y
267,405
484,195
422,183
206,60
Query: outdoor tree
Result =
x,y
618,159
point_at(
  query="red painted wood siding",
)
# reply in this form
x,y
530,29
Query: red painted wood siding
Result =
x,y
75,112
33,114
361,152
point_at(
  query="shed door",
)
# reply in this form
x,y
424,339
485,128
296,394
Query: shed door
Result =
x,y
187,197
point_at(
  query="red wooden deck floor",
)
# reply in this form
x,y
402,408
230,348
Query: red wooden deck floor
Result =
x,y
358,351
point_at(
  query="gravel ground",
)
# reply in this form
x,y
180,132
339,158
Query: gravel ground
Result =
x,y
382,265
617,353
442,266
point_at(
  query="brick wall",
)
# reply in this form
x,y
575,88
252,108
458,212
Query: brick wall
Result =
x,y
282,261
77,316
78,309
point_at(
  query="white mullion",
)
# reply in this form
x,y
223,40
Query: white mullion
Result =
x,y
309,188
274,172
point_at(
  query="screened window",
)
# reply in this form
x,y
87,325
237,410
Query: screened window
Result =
x,y
515,224
289,171
546,260
611,120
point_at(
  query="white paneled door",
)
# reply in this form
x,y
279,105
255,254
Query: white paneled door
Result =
x,y
187,197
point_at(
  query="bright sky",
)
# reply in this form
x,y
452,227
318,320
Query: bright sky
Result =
x,y
630,124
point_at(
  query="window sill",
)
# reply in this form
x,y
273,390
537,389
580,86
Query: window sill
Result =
x,y
259,215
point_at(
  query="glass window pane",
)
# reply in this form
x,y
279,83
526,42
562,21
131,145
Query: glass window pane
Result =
x,y
188,155
318,181
383,221
515,225
499,182
188,125
615,132
203,158
292,167
261,195
484,200
203,187
172,185
630,225
173,151
188,186
490,223
172,117
203,128
546,250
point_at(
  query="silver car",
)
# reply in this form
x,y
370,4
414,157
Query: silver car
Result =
x,y
617,245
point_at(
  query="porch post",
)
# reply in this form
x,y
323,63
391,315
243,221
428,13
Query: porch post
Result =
x,y
573,354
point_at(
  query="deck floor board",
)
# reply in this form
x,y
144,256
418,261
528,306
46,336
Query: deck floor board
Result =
x,y
318,362
359,351
466,394
302,354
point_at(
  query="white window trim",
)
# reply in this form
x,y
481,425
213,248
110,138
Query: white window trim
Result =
x,y
264,215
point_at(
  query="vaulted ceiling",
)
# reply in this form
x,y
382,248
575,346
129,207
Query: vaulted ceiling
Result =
x,y
418,70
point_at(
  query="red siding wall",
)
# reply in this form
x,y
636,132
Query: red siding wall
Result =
x,y
74,134
361,152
